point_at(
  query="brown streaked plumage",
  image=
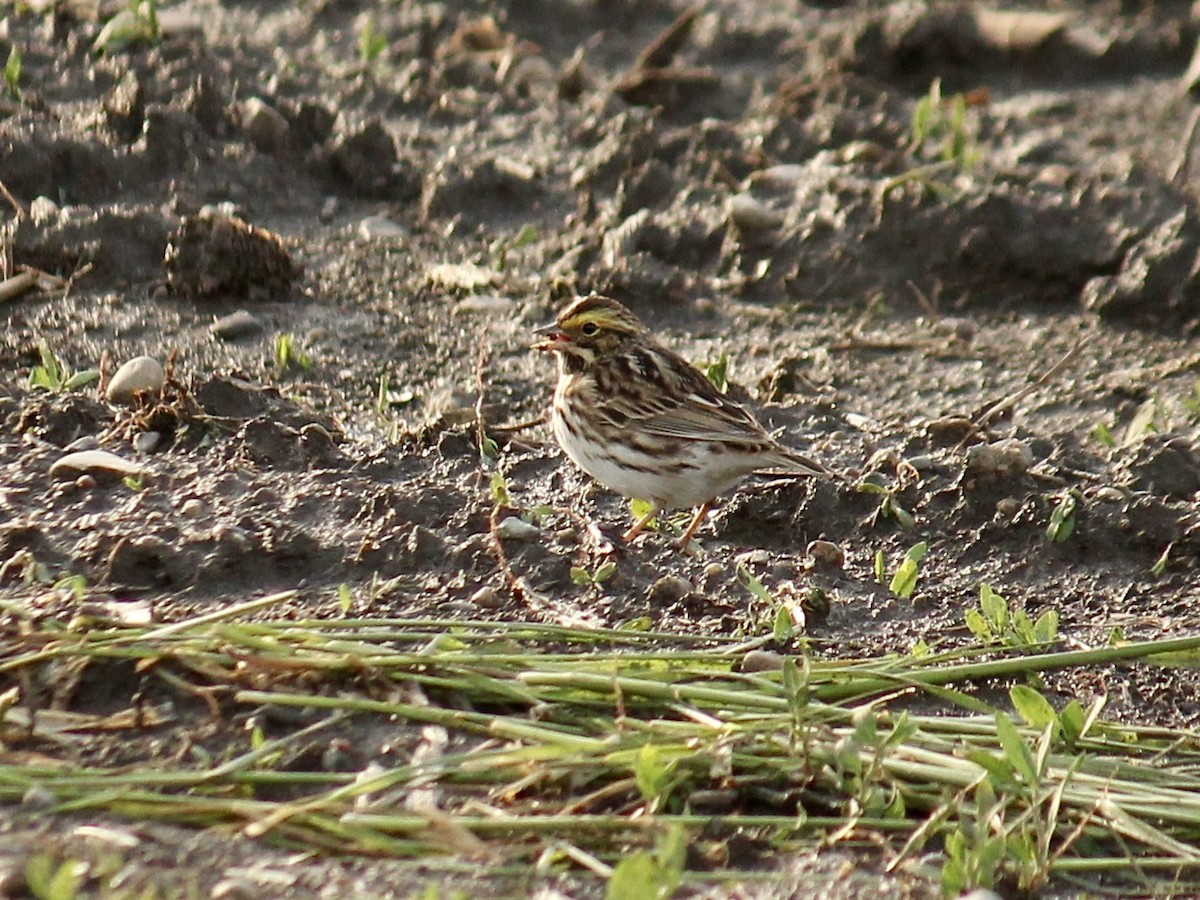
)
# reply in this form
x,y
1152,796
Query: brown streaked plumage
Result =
x,y
645,422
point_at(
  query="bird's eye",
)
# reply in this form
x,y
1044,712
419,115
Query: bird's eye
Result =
x,y
590,328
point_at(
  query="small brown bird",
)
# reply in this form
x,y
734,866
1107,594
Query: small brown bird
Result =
x,y
645,422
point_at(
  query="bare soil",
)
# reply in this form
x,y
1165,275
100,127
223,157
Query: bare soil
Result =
x,y
979,342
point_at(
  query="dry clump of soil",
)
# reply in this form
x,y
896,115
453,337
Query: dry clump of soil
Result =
x,y
344,256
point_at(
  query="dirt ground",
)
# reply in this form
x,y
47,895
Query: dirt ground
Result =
x,y
980,337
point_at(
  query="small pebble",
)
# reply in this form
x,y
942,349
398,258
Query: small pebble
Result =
x,y
1109,494
999,458
235,325
145,441
142,373
670,589
85,483
826,554
380,227
42,209
264,125
762,661
192,507
328,209
748,214
486,597
93,461
512,528
87,442
1008,507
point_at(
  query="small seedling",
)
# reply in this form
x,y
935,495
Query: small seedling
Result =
x,y
904,581
889,507
941,124
783,616
135,483
995,622
12,73
603,572
345,598
288,355
718,372
136,24
499,489
75,584
371,42
1062,518
653,876
639,508
48,878
1160,564
386,397
55,375
1103,435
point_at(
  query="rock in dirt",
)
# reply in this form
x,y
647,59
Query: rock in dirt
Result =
x,y
140,375
144,561
265,126
1166,466
826,554
1157,276
212,254
669,589
125,108
241,323
97,463
999,459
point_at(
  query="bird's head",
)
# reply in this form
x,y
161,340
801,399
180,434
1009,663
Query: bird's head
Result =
x,y
591,328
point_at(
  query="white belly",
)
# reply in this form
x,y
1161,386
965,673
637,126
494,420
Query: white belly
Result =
x,y
701,475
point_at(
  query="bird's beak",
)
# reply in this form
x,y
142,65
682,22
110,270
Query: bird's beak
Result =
x,y
555,338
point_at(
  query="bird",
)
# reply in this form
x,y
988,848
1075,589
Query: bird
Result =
x,y
644,422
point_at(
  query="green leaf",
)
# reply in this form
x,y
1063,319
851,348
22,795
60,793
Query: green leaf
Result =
x,y
345,599
1016,750
639,509
782,628
1062,518
12,71
636,877
993,606
1034,709
499,489
880,566
79,379
978,625
650,772
718,372
1071,721
604,572
1045,629
750,582
1103,435
904,582
1160,564
580,575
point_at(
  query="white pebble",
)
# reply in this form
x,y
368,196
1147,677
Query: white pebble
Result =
x,y
93,461
512,528
142,373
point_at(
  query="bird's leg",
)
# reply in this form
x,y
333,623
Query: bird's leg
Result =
x,y
636,528
701,512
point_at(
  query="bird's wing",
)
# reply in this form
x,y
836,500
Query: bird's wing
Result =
x,y
685,405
